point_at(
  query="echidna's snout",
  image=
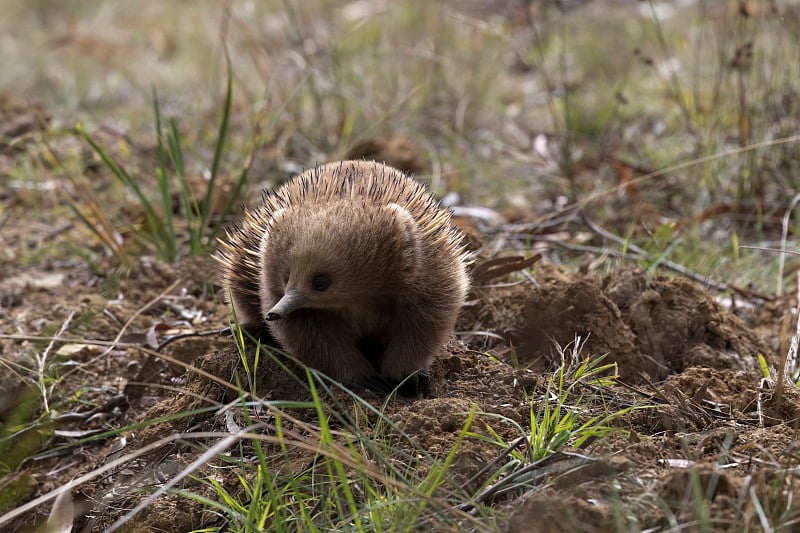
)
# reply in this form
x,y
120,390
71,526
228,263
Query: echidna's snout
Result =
x,y
291,301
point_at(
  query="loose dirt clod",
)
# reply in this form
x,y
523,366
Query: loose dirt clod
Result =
x,y
679,325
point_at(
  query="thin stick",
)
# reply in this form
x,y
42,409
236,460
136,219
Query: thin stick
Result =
x,y
41,360
680,269
784,233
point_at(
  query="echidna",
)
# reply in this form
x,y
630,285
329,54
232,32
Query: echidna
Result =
x,y
353,267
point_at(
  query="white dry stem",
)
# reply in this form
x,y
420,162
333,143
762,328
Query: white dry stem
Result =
x,y
207,456
762,516
788,365
784,233
41,360
62,515
225,441
791,359
762,386
110,466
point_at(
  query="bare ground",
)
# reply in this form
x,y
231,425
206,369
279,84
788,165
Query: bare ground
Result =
x,y
710,424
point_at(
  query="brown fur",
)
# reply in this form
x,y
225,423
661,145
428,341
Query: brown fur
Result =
x,y
390,266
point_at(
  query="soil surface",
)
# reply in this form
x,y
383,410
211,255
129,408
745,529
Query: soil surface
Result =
x,y
689,359
707,425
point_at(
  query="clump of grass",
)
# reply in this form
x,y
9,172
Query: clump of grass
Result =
x,y
362,473
28,428
161,230
557,421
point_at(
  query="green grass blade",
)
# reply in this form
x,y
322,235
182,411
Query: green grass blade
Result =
x,y
221,137
162,177
188,202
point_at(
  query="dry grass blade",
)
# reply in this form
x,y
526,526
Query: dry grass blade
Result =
x,y
500,266
784,234
62,515
212,452
762,517
528,475
41,360
93,218
84,204
138,312
675,267
789,357
516,444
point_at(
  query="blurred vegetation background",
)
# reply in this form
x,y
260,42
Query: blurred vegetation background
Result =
x,y
526,107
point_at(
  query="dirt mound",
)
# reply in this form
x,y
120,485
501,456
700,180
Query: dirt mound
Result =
x,y
651,327
556,312
680,325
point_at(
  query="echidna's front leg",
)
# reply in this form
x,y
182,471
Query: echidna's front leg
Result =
x,y
324,342
413,343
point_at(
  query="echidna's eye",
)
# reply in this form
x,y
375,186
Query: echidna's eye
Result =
x,y
320,282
